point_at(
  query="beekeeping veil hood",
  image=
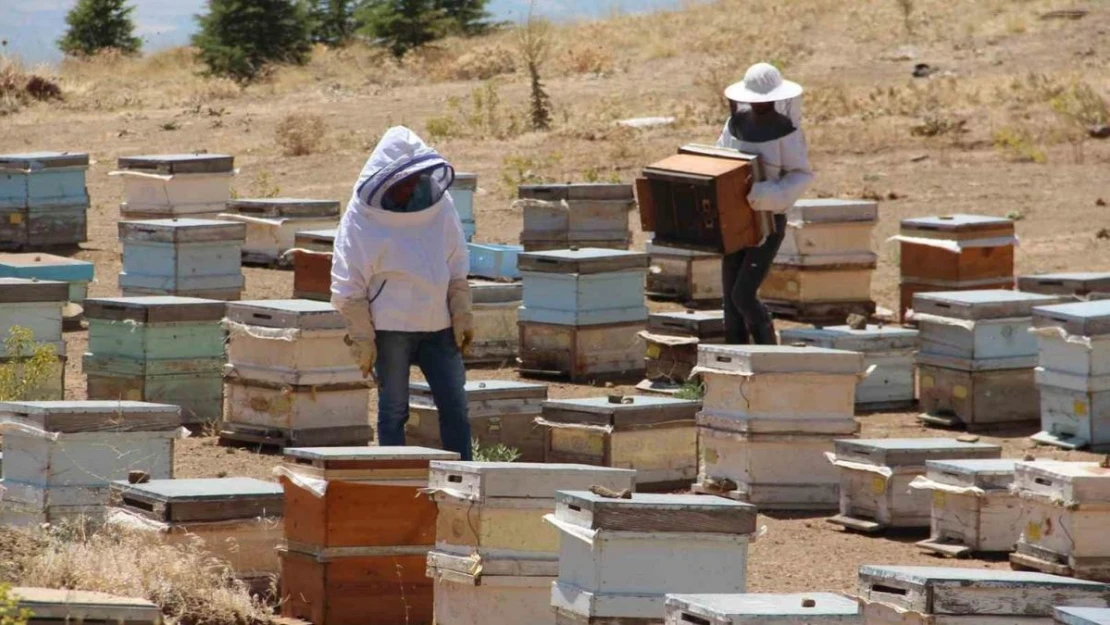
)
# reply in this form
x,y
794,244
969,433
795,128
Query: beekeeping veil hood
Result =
x,y
763,82
399,155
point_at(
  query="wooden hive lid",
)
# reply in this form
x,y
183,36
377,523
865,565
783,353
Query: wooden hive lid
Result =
x,y
179,163
34,161
49,605
489,292
184,230
486,390
71,416
984,304
576,191
45,267
750,359
299,314
481,481
155,309
1080,318
584,261
765,608
1076,482
364,457
958,227
697,165
704,324
23,290
284,207
873,338
833,211
892,452
1079,282
996,473
979,592
628,411
1081,616
656,513
323,235
216,499
464,182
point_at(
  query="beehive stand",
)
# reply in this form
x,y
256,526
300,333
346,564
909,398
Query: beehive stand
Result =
x,y
587,215
43,200
500,412
184,257
496,322
37,306
973,510
312,264
687,276
272,225
815,608
175,185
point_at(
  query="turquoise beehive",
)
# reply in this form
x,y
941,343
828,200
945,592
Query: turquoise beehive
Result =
x,y
184,257
590,286
43,199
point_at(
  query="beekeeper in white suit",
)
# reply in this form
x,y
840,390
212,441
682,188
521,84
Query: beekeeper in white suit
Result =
x,y
399,280
765,120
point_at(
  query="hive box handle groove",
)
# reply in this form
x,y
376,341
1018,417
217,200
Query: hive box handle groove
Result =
x,y
724,358
696,620
575,508
262,316
135,503
454,478
1042,481
889,590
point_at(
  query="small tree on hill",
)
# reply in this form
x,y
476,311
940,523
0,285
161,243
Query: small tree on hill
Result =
x,y
241,38
468,17
331,22
96,25
402,25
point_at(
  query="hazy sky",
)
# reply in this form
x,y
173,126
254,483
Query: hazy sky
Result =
x,y
31,27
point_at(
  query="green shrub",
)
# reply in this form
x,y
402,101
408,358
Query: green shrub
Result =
x,y
96,25
240,39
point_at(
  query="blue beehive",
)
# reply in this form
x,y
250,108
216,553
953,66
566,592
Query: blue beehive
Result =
x,y
43,199
462,192
185,257
494,261
78,273
584,287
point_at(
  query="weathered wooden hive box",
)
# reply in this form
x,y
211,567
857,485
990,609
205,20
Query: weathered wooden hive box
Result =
x,y
889,349
496,312
495,557
77,273
186,257
1066,508
672,340
175,185
1073,374
1080,285
954,253
61,456
560,215
974,510
688,276
1081,616
923,594
290,378
582,313
493,261
37,306
237,519
875,476
312,264
462,193
500,412
814,608
653,435
977,357
43,199
49,606
272,224
610,552
341,565
161,349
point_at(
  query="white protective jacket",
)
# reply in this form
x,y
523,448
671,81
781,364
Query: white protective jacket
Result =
x,y
402,261
785,163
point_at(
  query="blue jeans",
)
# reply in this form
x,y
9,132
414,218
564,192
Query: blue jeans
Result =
x,y
439,359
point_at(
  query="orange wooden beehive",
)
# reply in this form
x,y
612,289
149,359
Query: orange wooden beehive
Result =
x,y
312,264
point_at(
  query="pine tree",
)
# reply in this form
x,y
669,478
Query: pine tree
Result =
x,y
468,17
332,22
402,25
241,38
96,25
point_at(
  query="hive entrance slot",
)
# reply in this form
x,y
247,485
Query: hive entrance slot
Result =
x,y
455,479
695,620
889,590
137,503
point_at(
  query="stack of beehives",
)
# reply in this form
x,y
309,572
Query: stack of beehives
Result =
x,y
769,416
272,224
175,185
557,216
500,413
290,379
43,200
35,306
184,257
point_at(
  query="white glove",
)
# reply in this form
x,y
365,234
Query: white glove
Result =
x,y
460,303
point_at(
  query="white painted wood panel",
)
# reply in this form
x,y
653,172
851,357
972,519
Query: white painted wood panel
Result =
x,y
270,237
795,395
306,357
175,194
497,599
1083,356
270,407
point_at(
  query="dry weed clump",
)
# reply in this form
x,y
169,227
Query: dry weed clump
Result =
x,y
300,134
589,58
482,63
19,88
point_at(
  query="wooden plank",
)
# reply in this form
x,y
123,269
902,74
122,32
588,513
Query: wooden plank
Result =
x,y
284,207
284,438
17,290
656,513
819,312
582,261
982,304
220,499
63,605
37,161
95,415
154,309
339,519
178,163
926,262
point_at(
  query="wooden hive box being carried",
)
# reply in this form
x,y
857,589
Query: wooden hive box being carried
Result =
x,y
974,511
1073,374
769,416
36,306
893,595
875,477
161,349
50,606
185,257
312,264
954,253
1065,509
1081,286
495,557
672,340
43,200
357,534
290,378
582,313
653,435
611,553
500,413
690,277
61,456
462,193
175,185
889,349
237,519
817,608
823,269
272,224
77,273
1081,616
977,357
496,313
494,261
557,216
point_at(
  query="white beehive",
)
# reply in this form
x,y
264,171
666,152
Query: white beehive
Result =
x,y
824,232
619,558
919,594
688,276
1079,285
1066,510
559,215
273,223
875,476
815,608
175,185
495,311
500,413
1081,616
974,510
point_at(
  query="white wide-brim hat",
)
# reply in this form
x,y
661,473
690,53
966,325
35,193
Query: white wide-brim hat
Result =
x,y
763,82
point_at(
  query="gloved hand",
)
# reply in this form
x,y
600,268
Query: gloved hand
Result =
x,y
365,353
764,196
459,303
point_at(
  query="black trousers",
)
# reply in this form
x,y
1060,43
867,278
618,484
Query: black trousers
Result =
x,y
747,320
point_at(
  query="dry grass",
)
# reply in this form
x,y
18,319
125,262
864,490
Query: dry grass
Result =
x,y
300,134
